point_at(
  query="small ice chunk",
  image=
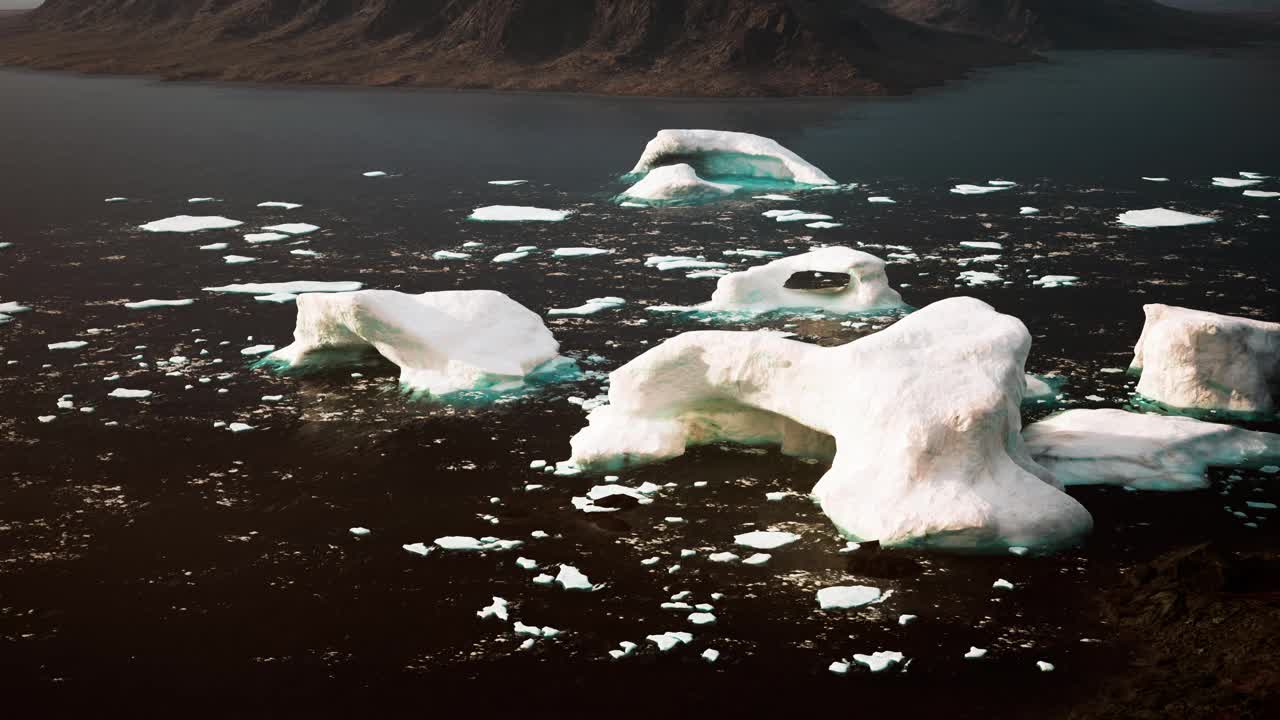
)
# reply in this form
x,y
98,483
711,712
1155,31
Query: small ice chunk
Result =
x,y
281,205
722,557
47,418
881,199
981,244
257,349
148,304
127,394
1044,666
498,609
526,563
238,259
907,619
517,213
1018,550
359,531
565,252
1052,281
1156,179
254,238
239,427
507,182
374,174
116,200
669,640
522,629
710,655
1261,193
977,277
590,307
215,246
879,660
798,216
190,223
839,667
765,539
68,345
701,618
293,228
1002,183
967,189
1028,210
449,255
777,496
570,578
847,596
757,559
975,653
528,643
509,257
1259,505
773,196
1002,584
543,579
417,549
1230,182
1161,217
198,200
823,225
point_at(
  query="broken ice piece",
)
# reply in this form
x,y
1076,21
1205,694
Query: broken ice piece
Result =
x,y
848,596
668,640
496,610
1002,584
360,531
879,660
570,578
757,559
765,539
975,653
1044,666
417,549
710,655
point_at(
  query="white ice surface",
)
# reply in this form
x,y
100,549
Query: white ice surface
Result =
x,y
717,153
517,213
880,660
676,183
266,237
293,287
966,189
761,289
1230,182
278,204
148,304
126,394
68,345
237,259
765,539
190,223
845,597
565,252
1161,217
571,578
442,341
292,228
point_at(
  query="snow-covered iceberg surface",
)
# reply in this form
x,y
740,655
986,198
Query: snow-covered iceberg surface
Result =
x,y
925,416
517,213
1197,360
286,291
675,185
1145,452
764,288
190,223
722,154
443,342
1161,217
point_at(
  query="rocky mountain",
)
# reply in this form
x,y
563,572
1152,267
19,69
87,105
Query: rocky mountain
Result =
x,y
647,47
1071,24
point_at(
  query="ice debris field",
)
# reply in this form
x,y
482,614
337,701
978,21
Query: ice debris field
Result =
x,y
724,391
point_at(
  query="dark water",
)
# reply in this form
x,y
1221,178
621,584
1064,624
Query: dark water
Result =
x,y
163,562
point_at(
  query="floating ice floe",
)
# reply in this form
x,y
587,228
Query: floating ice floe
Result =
x,y
823,225
215,246
190,223
975,653
1192,359
1002,183
966,189
905,619
449,255
1044,666
199,200
68,345
571,578
496,609
417,548
753,253
257,349
981,244
774,197
978,277
1156,179
722,154
1161,217
846,597
798,216
578,252
880,660
765,539
237,259
375,173
517,213
701,618
467,543
676,185
669,640
281,205
360,531
149,304
1028,210
881,199
763,288
442,342
1052,281
1230,182
1252,175
932,454
239,427
10,308
590,307
116,200
126,394
1002,584
509,257
1261,193
507,182
291,288
292,228
255,238
722,557
1145,452
711,655
757,559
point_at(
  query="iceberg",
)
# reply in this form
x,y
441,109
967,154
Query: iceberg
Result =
x,y
517,213
190,223
293,287
591,307
763,288
148,304
443,342
1197,360
676,185
723,154
292,228
281,205
1161,217
1141,451
925,416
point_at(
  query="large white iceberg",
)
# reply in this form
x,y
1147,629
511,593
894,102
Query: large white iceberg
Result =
x,y
1145,452
925,417
190,223
443,342
763,288
719,153
676,184
1192,359
1161,217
